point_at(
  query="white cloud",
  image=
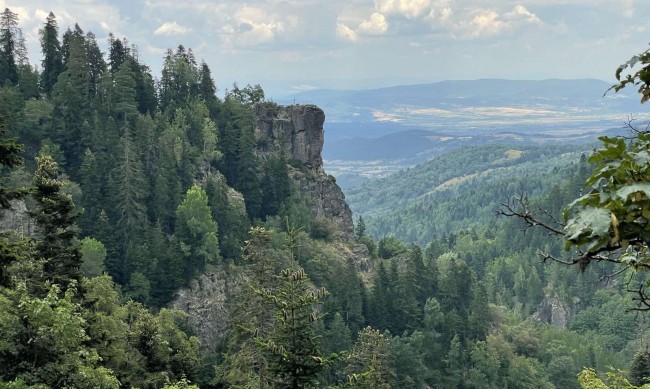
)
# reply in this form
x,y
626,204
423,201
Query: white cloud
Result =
x,y
251,26
346,32
376,25
486,23
105,26
520,12
489,22
171,28
410,9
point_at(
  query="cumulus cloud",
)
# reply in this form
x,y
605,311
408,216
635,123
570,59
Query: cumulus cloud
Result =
x,y
171,28
410,9
520,12
489,22
486,23
252,26
346,32
376,25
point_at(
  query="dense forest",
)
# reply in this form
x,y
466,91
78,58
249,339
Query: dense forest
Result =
x,y
126,187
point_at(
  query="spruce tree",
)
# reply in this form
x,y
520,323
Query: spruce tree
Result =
x,y
196,232
52,63
360,228
369,362
96,65
292,349
640,368
9,158
128,192
71,105
55,217
8,37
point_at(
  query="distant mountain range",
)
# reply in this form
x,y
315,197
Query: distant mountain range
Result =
x,y
401,126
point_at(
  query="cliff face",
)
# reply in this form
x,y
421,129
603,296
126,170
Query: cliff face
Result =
x,y
297,132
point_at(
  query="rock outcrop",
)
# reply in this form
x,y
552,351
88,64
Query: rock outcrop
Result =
x,y
17,219
297,132
555,311
206,303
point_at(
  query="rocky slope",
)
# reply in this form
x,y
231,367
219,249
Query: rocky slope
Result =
x,y
297,132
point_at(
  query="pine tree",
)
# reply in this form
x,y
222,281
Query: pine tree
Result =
x,y
124,93
118,52
244,365
275,185
229,212
9,35
52,63
382,303
91,193
9,158
71,105
128,190
369,363
640,368
56,218
196,232
292,348
96,65
208,90
360,228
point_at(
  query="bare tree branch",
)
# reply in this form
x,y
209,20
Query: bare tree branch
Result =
x,y
519,207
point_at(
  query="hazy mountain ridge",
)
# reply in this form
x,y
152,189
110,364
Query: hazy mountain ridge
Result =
x,y
375,132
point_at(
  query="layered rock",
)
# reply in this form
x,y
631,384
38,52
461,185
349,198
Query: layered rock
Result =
x,y
297,132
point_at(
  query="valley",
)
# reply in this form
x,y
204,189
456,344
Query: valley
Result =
x,y
373,133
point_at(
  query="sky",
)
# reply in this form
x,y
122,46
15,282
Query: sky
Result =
x,y
294,45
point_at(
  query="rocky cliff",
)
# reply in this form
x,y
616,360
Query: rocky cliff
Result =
x,y
297,132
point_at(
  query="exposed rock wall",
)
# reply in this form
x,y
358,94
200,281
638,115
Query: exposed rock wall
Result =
x,y
555,311
17,219
297,132
206,301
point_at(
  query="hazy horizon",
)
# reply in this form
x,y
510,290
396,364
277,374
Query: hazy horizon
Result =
x,y
290,45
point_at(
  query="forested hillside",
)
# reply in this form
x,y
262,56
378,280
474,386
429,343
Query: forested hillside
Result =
x,y
462,189
124,194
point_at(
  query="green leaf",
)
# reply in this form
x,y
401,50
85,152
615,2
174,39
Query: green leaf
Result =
x,y
588,223
625,191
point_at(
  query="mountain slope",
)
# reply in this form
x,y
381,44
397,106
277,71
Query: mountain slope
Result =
x,y
433,199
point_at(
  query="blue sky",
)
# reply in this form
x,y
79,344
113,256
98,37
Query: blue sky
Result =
x,y
300,44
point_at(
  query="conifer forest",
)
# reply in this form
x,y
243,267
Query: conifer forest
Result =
x,y
156,235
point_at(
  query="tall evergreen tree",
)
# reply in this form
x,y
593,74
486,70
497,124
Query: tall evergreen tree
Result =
x,y
118,52
91,193
369,363
196,232
640,368
56,217
124,93
52,64
128,188
71,105
293,355
275,185
96,66
10,157
9,33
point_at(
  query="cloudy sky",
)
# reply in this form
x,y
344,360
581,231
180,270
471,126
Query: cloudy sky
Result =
x,y
299,44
